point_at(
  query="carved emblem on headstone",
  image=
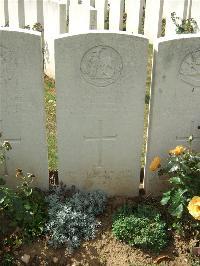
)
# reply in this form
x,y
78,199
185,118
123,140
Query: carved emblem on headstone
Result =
x,y
190,69
101,66
7,64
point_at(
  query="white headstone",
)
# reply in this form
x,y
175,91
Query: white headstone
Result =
x,y
79,17
175,101
102,7
100,83
55,23
22,120
88,2
153,19
16,13
180,7
116,15
134,10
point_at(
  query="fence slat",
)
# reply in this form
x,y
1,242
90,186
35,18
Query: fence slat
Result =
x,y
102,9
16,13
134,10
116,15
153,19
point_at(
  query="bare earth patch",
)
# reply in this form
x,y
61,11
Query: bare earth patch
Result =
x,y
105,249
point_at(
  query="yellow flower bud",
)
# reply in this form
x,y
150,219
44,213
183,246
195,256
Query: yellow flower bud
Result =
x,y
177,151
155,164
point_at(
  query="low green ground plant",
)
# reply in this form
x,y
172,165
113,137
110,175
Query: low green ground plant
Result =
x,y
24,207
140,226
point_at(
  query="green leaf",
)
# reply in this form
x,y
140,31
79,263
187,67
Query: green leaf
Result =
x,y
177,211
2,200
27,206
166,197
175,180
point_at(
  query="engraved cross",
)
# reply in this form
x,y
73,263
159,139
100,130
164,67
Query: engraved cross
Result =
x,y
100,139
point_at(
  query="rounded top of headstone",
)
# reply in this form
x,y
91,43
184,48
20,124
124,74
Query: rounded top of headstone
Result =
x,y
101,66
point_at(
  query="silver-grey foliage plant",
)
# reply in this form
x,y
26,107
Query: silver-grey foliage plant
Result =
x,y
73,219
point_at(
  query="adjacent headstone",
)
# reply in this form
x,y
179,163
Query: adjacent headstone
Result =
x,y
100,83
134,10
175,100
88,2
55,23
22,120
16,13
79,17
116,15
102,9
153,19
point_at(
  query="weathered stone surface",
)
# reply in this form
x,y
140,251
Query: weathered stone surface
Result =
x,y
175,100
100,82
22,120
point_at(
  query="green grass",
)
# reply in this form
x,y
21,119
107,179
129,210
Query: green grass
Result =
x,y
146,106
50,107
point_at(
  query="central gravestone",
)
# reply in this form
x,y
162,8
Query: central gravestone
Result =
x,y
100,82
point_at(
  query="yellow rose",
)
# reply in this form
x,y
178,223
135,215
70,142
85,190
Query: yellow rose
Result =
x,y
194,207
177,151
155,164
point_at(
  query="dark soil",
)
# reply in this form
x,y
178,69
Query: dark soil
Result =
x,y
106,250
